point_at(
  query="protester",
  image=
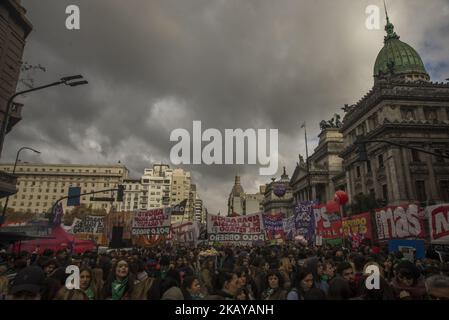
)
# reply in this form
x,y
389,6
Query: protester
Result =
x,y
302,284
89,285
437,287
191,289
274,287
28,284
228,284
408,283
120,284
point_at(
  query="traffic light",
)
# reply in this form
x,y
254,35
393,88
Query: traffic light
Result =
x,y
74,197
120,191
362,155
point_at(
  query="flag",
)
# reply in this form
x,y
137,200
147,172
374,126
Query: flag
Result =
x,y
180,208
58,213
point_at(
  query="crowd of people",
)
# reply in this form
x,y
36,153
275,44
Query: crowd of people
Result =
x,y
281,272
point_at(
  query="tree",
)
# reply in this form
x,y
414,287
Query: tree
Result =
x,y
18,216
365,203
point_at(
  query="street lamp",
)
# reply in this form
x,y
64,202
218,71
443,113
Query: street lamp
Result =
x,y
13,172
71,81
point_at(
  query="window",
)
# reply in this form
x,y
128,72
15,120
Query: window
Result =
x,y
380,159
439,159
421,191
444,189
385,192
357,171
368,166
31,197
415,156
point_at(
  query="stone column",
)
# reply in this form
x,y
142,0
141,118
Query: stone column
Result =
x,y
407,159
432,183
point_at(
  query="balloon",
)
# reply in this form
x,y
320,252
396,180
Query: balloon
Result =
x,y
332,206
341,197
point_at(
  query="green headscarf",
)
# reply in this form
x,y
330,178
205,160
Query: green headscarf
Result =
x,y
90,293
118,288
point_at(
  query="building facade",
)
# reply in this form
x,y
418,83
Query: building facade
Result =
x,y
325,167
242,203
14,29
278,196
403,106
159,187
40,185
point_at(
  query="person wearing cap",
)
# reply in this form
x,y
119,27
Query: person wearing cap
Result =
x,y
28,284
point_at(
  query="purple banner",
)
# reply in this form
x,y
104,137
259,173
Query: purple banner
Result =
x,y
305,220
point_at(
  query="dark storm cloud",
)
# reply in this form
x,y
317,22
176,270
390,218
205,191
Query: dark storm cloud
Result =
x,y
157,65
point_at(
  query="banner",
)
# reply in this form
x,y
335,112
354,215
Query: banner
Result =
x,y
235,229
152,222
274,226
328,225
180,208
398,222
305,220
438,223
90,224
358,225
186,233
289,227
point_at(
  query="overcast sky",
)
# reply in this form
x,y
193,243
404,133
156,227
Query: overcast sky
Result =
x,y
157,65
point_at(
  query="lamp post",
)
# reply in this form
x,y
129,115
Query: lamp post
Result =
x,y
13,172
309,187
71,81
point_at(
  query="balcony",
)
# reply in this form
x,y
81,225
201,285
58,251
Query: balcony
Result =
x,y
7,184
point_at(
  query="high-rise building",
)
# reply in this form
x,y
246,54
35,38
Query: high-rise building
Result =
x,y
160,186
40,185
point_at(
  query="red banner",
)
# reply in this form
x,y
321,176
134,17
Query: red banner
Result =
x,y
398,222
358,225
328,225
439,223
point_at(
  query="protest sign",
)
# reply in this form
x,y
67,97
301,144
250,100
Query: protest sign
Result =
x,y
328,225
152,222
90,224
438,223
289,227
398,222
358,225
305,220
274,226
235,229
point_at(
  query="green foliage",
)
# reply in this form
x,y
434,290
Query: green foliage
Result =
x,y
81,212
365,203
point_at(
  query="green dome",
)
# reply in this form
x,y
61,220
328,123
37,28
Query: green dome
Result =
x,y
397,57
